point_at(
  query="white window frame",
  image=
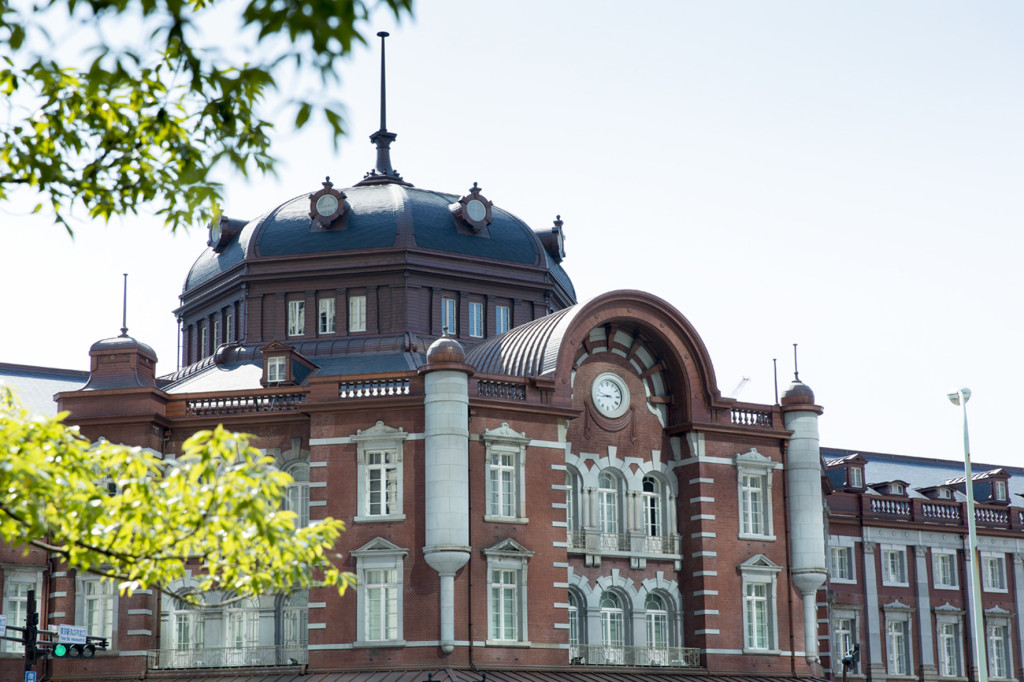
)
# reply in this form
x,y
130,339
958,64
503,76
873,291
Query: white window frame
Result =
x,y
993,571
899,639
229,326
653,521
95,596
295,623
998,638
277,369
755,501
502,319
380,555
999,491
505,460
657,629
842,565
856,477
507,559
183,617
327,315
948,645
758,594
379,439
609,503
203,338
476,319
297,494
615,625
216,333
449,316
945,573
17,583
297,318
844,639
894,565
357,313
897,489
577,623
242,632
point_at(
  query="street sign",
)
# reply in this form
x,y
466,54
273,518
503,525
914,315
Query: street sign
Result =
x,y
71,634
3,626
30,676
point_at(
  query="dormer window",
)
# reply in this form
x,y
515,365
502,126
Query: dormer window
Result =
x,y
277,369
944,494
999,491
856,479
896,489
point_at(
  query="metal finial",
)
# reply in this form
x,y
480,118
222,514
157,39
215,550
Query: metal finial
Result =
x,y
124,308
796,372
383,172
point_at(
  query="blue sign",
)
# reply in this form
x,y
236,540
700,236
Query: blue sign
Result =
x,y
30,676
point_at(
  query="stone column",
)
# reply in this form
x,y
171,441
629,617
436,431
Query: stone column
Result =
x,y
876,661
924,615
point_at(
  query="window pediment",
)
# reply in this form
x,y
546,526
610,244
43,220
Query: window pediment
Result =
x,y
760,562
754,459
504,434
380,432
379,547
508,548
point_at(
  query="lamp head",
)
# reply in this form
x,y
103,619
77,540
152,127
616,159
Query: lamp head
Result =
x,y
955,397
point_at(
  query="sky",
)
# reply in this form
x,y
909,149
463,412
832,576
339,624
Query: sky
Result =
x,y
842,175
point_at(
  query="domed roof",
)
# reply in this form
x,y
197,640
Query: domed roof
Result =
x,y
798,393
380,216
121,343
446,349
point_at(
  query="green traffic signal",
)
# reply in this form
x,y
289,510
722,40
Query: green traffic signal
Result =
x,y
74,651
60,651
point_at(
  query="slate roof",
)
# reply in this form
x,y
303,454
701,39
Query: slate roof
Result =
x,y
529,350
36,386
379,217
921,472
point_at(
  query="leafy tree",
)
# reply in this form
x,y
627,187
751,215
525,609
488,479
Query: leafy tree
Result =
x,y
119,104
126,514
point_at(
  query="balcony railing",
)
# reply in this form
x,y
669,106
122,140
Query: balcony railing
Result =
x,y
247,657
747,416
378,388
667,657
501,389
242,404
918,510
597,541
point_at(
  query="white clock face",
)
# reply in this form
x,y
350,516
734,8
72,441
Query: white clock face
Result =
x,y
611,397
476,210
327,204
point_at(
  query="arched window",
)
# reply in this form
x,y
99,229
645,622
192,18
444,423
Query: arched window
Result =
x,y
577,625
572,518
656,618
297,494
608,502
613,629
188,633
654,521
241,632
295,626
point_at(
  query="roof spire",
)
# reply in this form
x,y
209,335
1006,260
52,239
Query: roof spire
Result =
x,y
383,172
796,372
124,308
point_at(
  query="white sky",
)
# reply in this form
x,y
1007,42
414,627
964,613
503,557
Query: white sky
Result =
x,y
845,175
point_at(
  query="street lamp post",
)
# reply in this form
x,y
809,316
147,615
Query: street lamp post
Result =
x,y
978,631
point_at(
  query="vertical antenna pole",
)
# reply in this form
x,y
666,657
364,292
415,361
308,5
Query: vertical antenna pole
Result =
x,y
796,372
775,371
383,91
124,308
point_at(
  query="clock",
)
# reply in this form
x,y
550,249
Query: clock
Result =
x,y
326,205
610,395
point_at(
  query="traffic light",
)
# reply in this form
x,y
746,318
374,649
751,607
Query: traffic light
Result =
x,y
74,650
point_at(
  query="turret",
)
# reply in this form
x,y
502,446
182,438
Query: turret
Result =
x,y
446,475
805,505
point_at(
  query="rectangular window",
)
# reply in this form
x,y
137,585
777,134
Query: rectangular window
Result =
x,y
381,604
944,568
501,319
503,489
856,477
296,318
998,642
896,643
844,631
842,564
203,338
276,370
229,327
449,317
752,513
326,315
894,567
357,313
216,334
504,597
999,490
756,605
993,573
949,649
16,607
381,484
98,603
476,319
